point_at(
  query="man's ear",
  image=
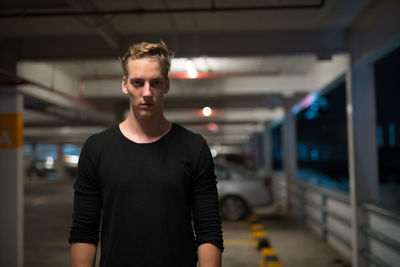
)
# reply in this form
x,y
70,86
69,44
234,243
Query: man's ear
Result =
x,y
124,84
166,89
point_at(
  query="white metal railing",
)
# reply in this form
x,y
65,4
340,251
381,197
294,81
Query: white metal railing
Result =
x,y
329,212
325,210
279,190
383,235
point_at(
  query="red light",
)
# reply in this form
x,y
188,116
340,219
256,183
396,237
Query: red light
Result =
x,y
213,127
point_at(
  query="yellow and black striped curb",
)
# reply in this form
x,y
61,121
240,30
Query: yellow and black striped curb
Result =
x,y
260,241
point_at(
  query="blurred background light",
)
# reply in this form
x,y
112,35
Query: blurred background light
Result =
x,y
207,111
191,69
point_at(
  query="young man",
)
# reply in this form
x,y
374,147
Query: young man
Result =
x,y
143,179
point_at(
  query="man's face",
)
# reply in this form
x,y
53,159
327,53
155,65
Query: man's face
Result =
x,y
145,87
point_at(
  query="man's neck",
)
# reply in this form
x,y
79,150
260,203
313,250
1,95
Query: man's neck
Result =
x,y
145,130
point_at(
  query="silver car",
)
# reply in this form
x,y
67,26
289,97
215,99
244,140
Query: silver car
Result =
x,y
240,190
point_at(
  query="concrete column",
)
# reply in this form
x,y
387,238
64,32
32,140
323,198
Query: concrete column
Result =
x,y
289,147
252,160
375,33
267,150
11,163
259,151
362,143
11,180
61,173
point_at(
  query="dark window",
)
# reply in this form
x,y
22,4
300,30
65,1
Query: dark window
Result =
x,y
387,88
322,138
276,133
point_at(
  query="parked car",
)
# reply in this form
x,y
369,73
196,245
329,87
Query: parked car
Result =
x,y
240,190
42,167
45,167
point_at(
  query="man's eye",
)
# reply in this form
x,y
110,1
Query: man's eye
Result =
x,y
156,83
137,83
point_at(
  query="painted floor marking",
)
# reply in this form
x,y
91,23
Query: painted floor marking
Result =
x,y
261,242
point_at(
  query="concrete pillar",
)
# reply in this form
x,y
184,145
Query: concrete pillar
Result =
x,y
61,173
11,179
259,151
250,152
370,37
11,162
267,150
362,143
289,147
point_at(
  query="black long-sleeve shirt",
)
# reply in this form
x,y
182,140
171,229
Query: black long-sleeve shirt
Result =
x,y
144,195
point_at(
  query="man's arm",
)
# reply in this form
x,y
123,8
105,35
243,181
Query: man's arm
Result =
x,y
84,233
209,255
83,255
207,222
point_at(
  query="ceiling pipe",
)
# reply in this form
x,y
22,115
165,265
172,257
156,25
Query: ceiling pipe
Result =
x,y
18,80
212,9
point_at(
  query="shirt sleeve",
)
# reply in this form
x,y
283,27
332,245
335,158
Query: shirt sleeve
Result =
x,y
87,199
207,222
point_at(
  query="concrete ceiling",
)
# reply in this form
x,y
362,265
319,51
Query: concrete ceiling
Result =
x,y
256,55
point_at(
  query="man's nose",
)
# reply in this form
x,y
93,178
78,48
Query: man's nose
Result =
x,y
147,89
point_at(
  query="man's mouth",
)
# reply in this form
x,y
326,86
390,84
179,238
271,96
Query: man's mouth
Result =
x,y
146,105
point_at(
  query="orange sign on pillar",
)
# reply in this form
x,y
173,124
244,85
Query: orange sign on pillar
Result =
x,y
11,130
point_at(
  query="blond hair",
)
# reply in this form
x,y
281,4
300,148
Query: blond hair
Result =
x,y
158,51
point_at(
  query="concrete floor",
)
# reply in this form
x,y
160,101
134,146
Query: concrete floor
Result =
x,y
239,250
296,245
47,218
48,209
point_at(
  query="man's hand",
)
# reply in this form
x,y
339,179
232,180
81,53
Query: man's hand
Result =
x,y
83,255
209,255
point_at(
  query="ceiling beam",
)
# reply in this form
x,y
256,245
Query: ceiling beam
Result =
x,y
246,128
99,23
221,87
237,115
270,101
80,134
59,134
142,11
233,139
323,43
64,107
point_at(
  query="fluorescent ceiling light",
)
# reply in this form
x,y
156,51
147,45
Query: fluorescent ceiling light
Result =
x,y
191,69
